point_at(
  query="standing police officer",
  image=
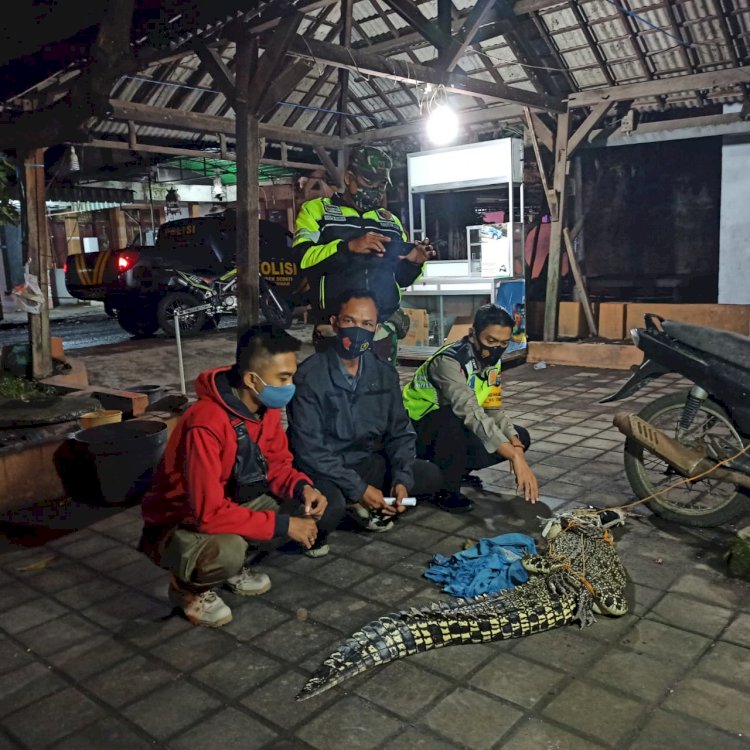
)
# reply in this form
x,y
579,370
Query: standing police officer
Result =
x,y
349,241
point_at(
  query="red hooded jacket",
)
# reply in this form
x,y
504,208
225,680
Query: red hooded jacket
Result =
x,y
189,486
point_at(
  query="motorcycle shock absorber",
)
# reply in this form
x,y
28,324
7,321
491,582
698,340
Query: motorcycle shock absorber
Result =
x,y
693,402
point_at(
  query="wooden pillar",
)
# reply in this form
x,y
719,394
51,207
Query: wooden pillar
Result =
x,y
37,251
343,162
345,39
556,229
444,21
73,235
248,192
119,232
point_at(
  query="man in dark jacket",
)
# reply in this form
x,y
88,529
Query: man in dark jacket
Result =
x,y
348,427
349,241
227,477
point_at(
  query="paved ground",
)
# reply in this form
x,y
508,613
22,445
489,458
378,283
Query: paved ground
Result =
x,y
90,656
83,326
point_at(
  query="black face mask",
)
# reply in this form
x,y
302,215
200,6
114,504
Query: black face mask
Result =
x,y
488,355
367,199
353,342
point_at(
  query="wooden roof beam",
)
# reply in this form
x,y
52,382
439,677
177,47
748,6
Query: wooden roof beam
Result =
x,y
475,117
283,85
64,120
411,13
689,60
191,153
523,7
215,66
172,118
321,80
593,44
518,44
406,89
328,103
272,60
346,41
399,70
715,79
467,33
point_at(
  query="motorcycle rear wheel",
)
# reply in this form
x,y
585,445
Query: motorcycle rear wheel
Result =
x,y
275,308
706,502
190,324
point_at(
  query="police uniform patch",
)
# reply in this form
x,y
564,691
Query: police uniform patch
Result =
x,y
494,398
333,212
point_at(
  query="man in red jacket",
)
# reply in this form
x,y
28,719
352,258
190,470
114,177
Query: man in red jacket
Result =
x,y
227,477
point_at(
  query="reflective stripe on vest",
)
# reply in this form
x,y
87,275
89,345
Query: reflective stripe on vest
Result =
x,y
421,397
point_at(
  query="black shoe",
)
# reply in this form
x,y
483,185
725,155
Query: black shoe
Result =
x,y
452,502
469,480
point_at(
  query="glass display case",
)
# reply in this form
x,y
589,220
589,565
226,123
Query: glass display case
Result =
x,y
469,201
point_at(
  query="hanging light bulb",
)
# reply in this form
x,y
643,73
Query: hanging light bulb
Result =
x,y
442,125
218,189
71,160
171,202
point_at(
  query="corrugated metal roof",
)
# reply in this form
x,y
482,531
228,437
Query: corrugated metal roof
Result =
x,y
675,38
591,43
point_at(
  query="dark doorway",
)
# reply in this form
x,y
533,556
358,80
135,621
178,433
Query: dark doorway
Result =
x,y
652,221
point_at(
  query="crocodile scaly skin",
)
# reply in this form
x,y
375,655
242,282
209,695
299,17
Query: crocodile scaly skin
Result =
x,y
580,573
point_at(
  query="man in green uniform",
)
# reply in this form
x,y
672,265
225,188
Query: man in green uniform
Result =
x,y
455,403
350,241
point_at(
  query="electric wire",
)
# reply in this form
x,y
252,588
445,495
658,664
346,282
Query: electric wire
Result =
x,y
685,480
679,483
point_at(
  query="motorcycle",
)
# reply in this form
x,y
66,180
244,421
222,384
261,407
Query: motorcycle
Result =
x,y
697,440
205,299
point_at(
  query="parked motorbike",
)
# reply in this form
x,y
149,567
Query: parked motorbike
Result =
x,y
202,300
689,434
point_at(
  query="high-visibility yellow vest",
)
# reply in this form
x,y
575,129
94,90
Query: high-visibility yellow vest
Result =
x,y
421,397
323,227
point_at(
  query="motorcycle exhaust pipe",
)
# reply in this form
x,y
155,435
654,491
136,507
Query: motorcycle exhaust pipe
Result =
x,y
690,462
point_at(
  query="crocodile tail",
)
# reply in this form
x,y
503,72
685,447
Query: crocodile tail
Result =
x,y
405,633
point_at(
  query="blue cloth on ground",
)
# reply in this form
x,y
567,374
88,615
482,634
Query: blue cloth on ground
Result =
x,y
489,566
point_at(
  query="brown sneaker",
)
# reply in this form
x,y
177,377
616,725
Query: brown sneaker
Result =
x,y
206,609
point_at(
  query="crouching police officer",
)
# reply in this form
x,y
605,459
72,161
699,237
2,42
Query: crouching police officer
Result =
x,y
454,401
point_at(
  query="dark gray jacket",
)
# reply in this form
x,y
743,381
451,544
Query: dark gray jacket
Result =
x,y
332,428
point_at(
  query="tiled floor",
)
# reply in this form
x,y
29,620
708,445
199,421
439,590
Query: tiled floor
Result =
x,y
90,656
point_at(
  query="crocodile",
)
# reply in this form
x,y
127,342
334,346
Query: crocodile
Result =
x,y
579,575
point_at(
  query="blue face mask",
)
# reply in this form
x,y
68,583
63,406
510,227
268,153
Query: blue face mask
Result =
x,y
275,396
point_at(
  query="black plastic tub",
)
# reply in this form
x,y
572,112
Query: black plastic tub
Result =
x,y
120,458
153,392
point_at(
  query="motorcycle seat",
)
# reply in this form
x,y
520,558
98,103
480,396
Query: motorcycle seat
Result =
x,y
726,345
207,275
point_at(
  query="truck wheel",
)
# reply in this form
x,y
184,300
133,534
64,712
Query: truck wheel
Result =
x,y
189,324
138,322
